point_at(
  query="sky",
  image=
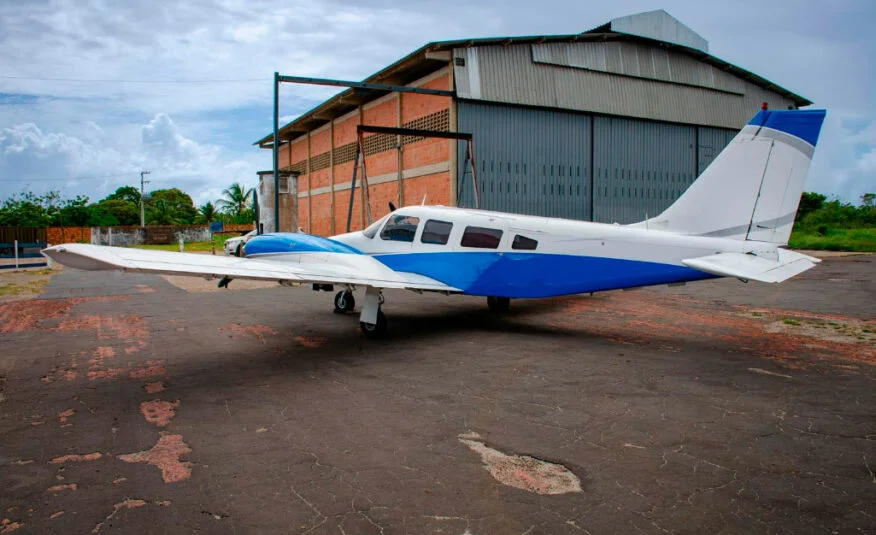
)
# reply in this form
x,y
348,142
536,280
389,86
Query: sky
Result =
x,y
94,91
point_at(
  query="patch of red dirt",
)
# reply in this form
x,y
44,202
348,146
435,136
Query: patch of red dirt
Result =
x,y
165,455
62,416
8,526
152,368
130,328
77,458
154,387
258,331
60,488
311,341
644,318
159,412
109,373
21,316
56,515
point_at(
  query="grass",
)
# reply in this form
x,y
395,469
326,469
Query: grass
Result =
x,y
218,240
789,321
16,286
857,240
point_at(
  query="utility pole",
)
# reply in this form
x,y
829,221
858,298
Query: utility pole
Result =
x,y
142,209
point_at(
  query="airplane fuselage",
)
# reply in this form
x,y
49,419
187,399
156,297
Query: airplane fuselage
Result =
x,y
516,256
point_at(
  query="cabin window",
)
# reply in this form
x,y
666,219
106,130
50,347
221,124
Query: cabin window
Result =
x,y
400,228
372,229
523,243
437,232
481,238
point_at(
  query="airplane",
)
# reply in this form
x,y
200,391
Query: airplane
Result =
x,y
733,221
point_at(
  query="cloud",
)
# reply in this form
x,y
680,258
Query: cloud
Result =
x,y
161,94
96,164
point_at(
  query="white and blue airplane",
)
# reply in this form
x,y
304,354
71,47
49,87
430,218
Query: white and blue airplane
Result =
x,y
731,222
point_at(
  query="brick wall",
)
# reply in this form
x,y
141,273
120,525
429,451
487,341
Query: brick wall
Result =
x,y
317,214
58,235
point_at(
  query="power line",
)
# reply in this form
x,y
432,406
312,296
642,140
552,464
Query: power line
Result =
x,y
204,81
92,177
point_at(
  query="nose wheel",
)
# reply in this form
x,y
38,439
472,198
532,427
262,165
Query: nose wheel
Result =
x,y
344,302
499,305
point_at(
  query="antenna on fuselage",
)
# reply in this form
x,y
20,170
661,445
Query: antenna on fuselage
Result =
x,y
391,207
424,200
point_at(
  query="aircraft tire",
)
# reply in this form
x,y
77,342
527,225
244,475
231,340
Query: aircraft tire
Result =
x,y
344,302
374,331
499,305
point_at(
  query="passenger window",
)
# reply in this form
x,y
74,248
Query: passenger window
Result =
x,y
400,228
523,243
481,238
437,232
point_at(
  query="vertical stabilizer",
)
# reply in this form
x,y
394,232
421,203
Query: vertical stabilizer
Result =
x,y
752,189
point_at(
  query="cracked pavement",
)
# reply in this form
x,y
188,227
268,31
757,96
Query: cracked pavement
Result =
x,y
130,405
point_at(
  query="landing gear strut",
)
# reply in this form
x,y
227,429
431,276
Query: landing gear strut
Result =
x,y
499,305
344,302
372,321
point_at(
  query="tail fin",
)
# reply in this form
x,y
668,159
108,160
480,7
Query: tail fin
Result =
x,y
752,189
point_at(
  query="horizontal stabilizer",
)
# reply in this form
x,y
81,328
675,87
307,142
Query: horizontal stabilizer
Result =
x,y
751,267
319,267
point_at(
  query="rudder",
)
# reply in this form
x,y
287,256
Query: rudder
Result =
x,y
752,189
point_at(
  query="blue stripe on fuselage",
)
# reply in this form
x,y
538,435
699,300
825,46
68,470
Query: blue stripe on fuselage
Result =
x,y
294,242
521,275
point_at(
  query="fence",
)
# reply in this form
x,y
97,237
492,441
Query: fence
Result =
x,y
17,243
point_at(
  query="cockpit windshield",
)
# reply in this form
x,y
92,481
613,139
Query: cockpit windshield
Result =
x,y
372,229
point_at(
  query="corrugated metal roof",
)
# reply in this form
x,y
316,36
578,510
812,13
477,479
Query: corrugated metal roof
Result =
x,y
422,61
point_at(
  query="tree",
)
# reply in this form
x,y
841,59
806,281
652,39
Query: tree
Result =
x,y
25,209
125,193
868,199
235,199
809,202
207,212
122,211
176,202
162,213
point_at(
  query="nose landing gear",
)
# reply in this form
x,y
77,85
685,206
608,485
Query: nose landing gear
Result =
x,y
499,305
344,302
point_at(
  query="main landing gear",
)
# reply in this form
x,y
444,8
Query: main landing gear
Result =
x,y
372,321
499,305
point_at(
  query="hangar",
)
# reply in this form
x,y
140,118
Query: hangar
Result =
x,y
608,125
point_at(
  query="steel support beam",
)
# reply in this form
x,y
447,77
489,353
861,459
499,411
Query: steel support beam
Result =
x,y
363,85
276,150
368,129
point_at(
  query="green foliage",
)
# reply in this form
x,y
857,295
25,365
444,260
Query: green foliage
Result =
x,y
809,202
858,240
162,212
170,205
125,193
833,225
207,213
234,202
123,211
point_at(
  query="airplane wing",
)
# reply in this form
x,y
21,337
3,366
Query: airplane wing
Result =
x,y
750,267
316,267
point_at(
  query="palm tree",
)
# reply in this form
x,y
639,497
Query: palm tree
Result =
x,y
207,212
235,199
162,213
